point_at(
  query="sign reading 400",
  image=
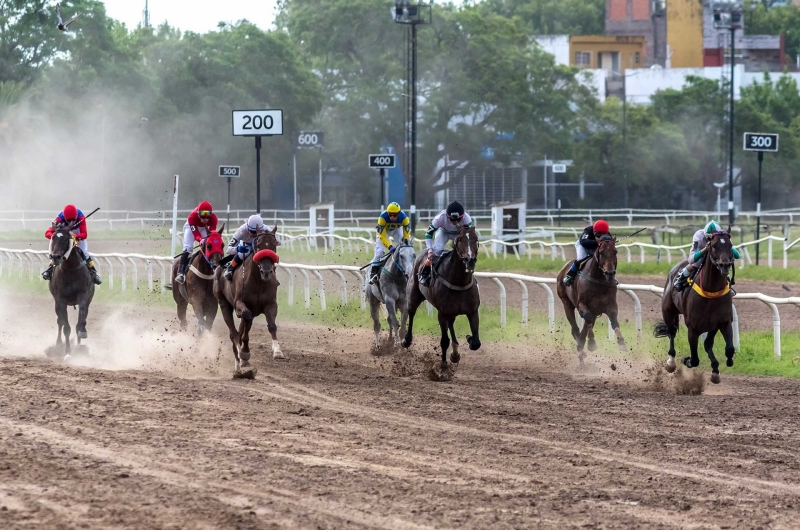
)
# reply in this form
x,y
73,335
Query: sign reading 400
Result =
x,y
257,122
381,161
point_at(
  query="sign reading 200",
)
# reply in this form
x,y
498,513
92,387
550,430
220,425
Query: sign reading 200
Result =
x,y
257,122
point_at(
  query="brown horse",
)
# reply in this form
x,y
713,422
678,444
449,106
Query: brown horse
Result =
x,y
198,289
252,291
593,293
453,292
706,308
70,284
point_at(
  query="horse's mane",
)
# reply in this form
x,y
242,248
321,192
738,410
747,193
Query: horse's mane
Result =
x,y
606,237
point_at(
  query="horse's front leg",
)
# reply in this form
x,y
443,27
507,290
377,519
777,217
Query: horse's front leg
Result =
x,y
60,325
588,323
455,357
473,339
63,320
227,315
271,313
83,314
444,325
694,360
414,300
612,316
394,325
730,349
708,345
199,313
375,313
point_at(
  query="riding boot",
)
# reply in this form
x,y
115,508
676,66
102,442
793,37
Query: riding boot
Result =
x,y
48,272
373,274
95,277
681,281
425,274
229,269
570,276
181,276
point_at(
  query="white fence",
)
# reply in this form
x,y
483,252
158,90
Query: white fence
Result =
x,y
36,261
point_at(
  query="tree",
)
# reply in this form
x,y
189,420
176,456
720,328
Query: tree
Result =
x,y
554,17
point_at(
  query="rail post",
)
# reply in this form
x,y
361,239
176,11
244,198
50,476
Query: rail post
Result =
x,y
502,301
321,290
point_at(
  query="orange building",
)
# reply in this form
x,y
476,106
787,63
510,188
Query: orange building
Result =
x,y
612,53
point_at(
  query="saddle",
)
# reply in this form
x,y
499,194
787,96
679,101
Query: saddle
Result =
x,y
435,275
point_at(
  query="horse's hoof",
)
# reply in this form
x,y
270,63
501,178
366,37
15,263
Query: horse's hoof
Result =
x,y
278,354
83,335
66,358
687,362
474,343
245,372
715,379
623,347
729,362
670,366
406,343
591,345
455,357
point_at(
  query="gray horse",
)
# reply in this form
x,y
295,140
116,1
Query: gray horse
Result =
x,y
390,289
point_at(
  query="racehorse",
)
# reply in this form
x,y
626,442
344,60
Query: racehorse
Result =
x,y
252,291
198,289
453,291
391,290
70,284
593,293
706,308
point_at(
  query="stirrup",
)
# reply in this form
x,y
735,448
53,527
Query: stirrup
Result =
x,y
96,278
228,273
180,277
47,273
568,279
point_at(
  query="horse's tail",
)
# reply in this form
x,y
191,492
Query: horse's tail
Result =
x,y
660,329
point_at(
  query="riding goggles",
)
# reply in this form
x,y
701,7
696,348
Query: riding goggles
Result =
x,y
456,217
204,213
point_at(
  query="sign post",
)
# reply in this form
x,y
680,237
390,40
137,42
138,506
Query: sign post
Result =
x,y
308,140
382,162
760,142
229,172
258,123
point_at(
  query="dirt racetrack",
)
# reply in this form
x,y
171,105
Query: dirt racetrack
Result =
x,y
142,432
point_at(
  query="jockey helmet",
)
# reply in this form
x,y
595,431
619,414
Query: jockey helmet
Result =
x,y
70,212
255,223
455,211
600,227
393,208
712,227
204,209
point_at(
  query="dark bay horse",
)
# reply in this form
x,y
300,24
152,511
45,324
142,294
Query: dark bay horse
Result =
x,y
198,289
706,308
70,284
593,293
453,292
391,290
252,291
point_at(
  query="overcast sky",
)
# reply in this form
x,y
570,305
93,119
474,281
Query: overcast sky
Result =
x,y
196,15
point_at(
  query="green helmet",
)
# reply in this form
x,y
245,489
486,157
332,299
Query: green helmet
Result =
x,y
712,227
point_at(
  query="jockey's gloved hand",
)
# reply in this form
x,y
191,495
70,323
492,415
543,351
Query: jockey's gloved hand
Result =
x,y
391,249
242,248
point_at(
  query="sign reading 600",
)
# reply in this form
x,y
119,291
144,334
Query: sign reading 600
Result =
x,y
257,122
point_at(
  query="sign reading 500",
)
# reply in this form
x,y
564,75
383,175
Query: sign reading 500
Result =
x,y
257,122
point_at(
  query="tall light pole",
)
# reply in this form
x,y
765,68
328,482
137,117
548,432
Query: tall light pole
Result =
x,y
405,12
728,15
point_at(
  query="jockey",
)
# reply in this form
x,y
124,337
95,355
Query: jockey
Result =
x,y
201,222
443,228
392,223
585,247
697,255
69,215
241,244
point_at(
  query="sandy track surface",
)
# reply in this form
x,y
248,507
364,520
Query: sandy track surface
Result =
x,y
335,437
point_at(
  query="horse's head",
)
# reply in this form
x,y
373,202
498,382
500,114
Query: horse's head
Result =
x,y
266,240
404,258
720,251
465,245
61,242
214,248
606,256
265,260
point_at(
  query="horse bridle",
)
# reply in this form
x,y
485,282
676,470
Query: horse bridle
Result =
x,y
397,263
455,247
605,272
714,236
73,244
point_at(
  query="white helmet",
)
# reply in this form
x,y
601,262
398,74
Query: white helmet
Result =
x,y
255,223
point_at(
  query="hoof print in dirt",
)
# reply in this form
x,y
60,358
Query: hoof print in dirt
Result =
x,y
441,375
248,372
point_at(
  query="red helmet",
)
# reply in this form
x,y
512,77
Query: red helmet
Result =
x,y
70,212
600,227
204,209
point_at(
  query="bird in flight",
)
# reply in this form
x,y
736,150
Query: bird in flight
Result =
x,y
63,26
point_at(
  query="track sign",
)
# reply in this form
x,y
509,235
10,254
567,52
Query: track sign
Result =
x,y
761,142
230,171
257,122
559,168
381,161
309,139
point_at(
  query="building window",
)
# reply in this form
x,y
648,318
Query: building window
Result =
x,y
637,58
583,59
